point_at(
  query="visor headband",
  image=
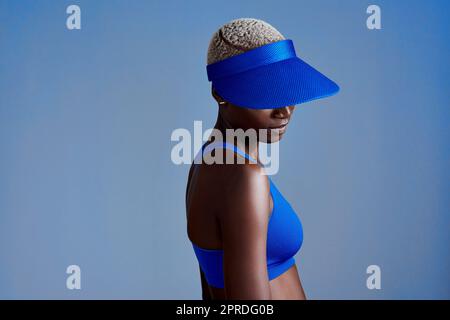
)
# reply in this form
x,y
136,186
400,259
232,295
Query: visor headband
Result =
x,y
258,57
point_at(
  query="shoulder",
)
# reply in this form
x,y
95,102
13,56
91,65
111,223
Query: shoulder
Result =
x,y
246,194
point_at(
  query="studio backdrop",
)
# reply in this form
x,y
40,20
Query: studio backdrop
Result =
x,y
91,92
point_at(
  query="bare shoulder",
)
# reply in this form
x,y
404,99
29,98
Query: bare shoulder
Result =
x,y
246,191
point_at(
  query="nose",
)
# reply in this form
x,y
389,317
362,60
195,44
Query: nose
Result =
x,y
284,112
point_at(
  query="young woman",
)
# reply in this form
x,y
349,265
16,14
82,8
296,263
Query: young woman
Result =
x,y
243,231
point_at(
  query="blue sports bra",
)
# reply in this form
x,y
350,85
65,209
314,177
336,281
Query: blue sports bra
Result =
x,y
284,235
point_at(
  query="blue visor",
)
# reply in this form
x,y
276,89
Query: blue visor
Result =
x,y
268,77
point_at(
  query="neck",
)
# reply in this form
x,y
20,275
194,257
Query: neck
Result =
x,y
222,125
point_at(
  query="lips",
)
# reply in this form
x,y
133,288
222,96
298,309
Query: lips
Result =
x,y
281,126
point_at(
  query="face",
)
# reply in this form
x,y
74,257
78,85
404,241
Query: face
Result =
x,y
274,120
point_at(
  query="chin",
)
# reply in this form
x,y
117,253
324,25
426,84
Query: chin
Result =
x,y
271,138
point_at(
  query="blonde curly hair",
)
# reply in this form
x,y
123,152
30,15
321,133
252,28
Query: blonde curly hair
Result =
x,y
240,35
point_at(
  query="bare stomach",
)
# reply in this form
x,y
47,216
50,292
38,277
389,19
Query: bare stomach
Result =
x,y
284,287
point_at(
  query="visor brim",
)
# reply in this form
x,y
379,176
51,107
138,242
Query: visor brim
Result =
x,y
285,83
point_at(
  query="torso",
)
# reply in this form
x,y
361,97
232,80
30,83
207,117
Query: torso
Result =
x,y
203,214
285,287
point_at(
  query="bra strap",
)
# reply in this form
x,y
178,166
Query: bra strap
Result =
x,y
227,145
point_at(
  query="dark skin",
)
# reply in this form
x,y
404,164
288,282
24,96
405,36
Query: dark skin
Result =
x,y
239,224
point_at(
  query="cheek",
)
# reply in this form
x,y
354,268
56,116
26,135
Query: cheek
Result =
x,y
250,118
258,119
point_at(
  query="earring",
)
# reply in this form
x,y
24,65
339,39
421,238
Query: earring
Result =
x,y
222,102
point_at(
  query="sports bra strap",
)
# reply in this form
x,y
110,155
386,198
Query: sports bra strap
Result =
x,y
226,145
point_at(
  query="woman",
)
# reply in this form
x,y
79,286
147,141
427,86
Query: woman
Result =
x,y
243,231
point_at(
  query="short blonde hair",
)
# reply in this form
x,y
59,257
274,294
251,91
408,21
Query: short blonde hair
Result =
x,y
240,35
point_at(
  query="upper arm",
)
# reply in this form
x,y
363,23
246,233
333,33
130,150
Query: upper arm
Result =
x,y
244,220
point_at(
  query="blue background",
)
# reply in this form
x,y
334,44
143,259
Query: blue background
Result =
x,y
86,117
